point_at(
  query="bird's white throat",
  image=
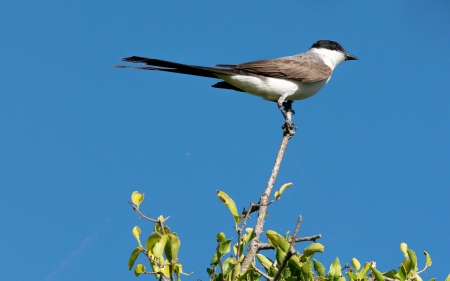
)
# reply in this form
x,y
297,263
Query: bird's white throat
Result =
x,y
330,57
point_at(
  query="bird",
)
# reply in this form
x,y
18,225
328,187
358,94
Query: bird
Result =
x,y
282,79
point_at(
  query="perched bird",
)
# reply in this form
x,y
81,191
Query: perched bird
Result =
x,y
287,78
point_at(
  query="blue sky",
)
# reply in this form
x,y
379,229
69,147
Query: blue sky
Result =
x,y
369,162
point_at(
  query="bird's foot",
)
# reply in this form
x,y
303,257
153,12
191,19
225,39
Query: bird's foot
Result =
x,y
289,127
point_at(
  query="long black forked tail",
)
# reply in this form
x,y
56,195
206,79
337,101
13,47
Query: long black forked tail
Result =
x,y
168,66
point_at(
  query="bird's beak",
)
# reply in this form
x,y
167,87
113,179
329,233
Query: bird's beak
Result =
x,y
350,57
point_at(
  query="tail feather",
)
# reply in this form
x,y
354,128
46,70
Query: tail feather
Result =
x,y
168,66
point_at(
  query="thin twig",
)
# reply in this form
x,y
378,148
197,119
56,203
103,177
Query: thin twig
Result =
x,y
309,238
240,230
262,273
288,132
255,207
148,272
297,228
140,213
161,276
418,272
161,223
238,255
267,246
290,252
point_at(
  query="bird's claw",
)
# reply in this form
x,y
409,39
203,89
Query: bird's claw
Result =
x,y
289,126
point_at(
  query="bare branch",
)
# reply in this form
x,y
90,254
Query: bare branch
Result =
x,y
309,238
425,268
159,274
290,252
267,246
262,273
255,207
141,214
288,133
297,228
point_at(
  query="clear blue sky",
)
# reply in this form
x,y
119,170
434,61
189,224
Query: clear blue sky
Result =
x,y
369,162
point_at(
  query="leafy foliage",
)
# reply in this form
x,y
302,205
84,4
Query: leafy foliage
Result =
x,y
162,247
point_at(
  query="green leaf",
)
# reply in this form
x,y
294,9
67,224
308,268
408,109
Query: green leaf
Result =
x,y
356,264
137,198
272,271
136,232
166,271
224,247
159,246
417,277
390,274
286,272
152,240
248,236
172,247
244,241
280,192
351,276
210,271
364,271
413,259
158,229
335,270
265,261
133,257
378,275
404,248
342,278
179,271
249,275
407,265
432,279
217,277
215,260
277,240
312,249
401,273
230,205
291,278
139,269
294,264
305,270
279,255
448,278
319,268
221,237
228,265
427,259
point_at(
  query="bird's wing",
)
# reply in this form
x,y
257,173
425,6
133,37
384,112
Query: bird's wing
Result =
x,y
303,68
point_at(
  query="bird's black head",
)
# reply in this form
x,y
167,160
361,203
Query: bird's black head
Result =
x,y
334,46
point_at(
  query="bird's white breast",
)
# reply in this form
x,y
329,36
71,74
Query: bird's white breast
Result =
x,y
272,88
